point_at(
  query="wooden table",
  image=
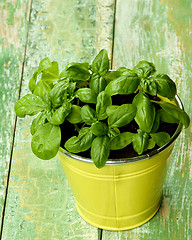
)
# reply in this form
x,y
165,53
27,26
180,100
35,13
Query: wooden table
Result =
x,y
35,199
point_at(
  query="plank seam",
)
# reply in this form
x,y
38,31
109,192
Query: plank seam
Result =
x,y
113,34
15,123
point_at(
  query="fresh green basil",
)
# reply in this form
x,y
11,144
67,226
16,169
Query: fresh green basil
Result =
x,y
160,138
88,114
124,71
100,63
99,129
77,71
81,143
166,117
140,141
112,132
149,85
86,95
145,115
123,115
100,151
103,101
165,86
109,76
97,83
175,112
41,119
75,115
151,144
123,85
46,141
57,116
41,87
121,140
144,69
58,93
30,105
156,122
50,74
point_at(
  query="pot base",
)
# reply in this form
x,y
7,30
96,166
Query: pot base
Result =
x,y
121,223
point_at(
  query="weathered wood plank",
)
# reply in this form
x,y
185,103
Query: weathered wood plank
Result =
x,y
160,31
13,31
40,204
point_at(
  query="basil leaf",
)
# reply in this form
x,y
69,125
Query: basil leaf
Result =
x,y
166,117
100,151
57,93
41,119
111,108
81,143
151,144
109,76
175,112
32,81
100,63
124,71
149,85
77,71
46,141
144,69
165,86
156,122
75,115
88,114
40,88
145,115
50,74
103,101
44,64
123,115
99,129
30,105
113,132
86,95
160,138
58,116
140,141
97,83
121,140
123,85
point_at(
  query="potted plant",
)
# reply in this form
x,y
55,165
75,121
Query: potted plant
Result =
x,y
113,132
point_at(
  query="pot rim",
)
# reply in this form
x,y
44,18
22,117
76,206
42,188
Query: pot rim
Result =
x,y
121,161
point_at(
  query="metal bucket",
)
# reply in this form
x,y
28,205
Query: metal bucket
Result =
x,y
125,193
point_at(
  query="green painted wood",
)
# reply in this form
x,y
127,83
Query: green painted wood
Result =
x,y
40,204
13,31
160,31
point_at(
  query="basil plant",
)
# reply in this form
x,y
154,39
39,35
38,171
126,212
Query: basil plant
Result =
x,y
82,95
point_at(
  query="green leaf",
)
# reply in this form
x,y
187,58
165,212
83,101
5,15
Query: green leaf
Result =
x,y
123,115
149,85
50,74
46,141
99,129
30,105
88,114
100,64
58,116
165,86
140,141
100,151
77,71
32,81
109,76
151,144
121,140
44,64
156,122
103,101
75,115
166,117
123,85
112,132
111,108
57,93
144,69
124,71
97,83
160,138
40,88
175,112
145,112
81,143
41,119
86,95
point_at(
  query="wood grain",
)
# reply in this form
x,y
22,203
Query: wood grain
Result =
x,y
13,33
160,31
40,204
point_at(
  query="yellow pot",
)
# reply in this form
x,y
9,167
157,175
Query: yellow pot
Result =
x,y
122,195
